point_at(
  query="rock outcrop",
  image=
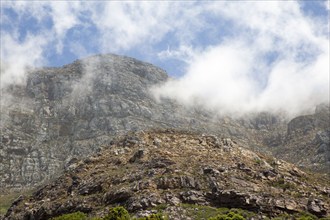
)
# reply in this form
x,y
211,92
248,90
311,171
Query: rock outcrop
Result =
x,y
146,170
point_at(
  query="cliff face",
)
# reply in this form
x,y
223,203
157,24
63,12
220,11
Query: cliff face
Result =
x,y
146,170
68,112
307,141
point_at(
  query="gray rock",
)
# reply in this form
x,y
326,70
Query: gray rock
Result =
x,y
212,171
119,196
193,197
316,207
178,182
137,156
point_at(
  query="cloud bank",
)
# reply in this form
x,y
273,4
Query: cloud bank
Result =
x,y
278,61
238,57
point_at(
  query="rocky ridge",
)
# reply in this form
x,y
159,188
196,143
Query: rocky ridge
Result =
x,y
69,112
145,170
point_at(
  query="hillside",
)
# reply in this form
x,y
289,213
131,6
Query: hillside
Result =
x,y
144,171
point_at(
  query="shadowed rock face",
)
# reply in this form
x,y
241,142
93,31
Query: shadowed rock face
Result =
x,y
143,170
307,141
72,111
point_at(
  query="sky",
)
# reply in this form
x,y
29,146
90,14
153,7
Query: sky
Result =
x,y
228,56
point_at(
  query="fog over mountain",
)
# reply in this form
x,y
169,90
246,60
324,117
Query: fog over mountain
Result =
x,y
275,59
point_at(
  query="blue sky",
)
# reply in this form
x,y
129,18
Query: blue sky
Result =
x,y
239,47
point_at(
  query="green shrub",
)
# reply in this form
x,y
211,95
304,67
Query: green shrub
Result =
x,y
258,161
305,216
297,216
117,213
280,183
157,216
229,216
72,216
160,207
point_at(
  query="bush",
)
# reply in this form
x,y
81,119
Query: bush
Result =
x,y
157,216
229,216
117,213
72,216
305,216
280,183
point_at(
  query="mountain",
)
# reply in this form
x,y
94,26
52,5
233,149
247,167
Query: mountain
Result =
x,y
182,174
72,111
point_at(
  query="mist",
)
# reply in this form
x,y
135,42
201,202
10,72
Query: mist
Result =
x,y
278,62
236,80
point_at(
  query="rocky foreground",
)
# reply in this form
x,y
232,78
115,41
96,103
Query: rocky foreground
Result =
x,y
144,171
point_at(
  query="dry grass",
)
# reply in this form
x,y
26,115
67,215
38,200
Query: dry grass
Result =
x,y
6,201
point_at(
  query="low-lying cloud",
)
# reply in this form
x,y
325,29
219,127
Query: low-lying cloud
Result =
x,y
239,57
278,61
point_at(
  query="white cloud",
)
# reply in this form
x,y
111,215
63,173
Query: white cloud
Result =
x,y
327,5
19,56
128,24
124,25
22,50
184,53
215,78
225,77
64,16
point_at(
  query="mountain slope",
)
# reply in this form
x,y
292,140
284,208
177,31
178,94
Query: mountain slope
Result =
x,y
145,170
68,112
